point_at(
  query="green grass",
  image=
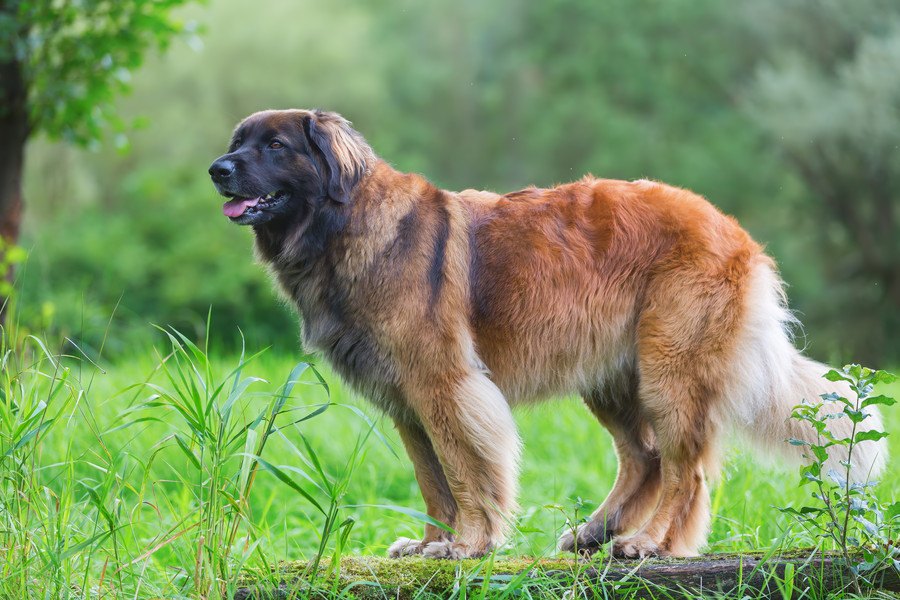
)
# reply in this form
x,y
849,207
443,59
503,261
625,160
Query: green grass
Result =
x,y
135,512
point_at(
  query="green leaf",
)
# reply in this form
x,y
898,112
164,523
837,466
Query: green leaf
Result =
x,y
286,479
29,436
407,511
132,422
247,460
238,391
855,371
810,478
893,510
872,435
77,548
884,377
314,413
857,416
187,451
869,526
820,452
98,504
314,458
834,375
836,477
288,386
880,399
833,397
381,438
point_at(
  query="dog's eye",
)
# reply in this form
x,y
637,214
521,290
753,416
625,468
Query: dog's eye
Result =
x,y
276,145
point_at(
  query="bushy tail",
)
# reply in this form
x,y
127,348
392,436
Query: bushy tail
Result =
x,y
772,377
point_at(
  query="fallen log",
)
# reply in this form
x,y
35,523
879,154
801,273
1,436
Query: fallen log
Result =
x,y
737,575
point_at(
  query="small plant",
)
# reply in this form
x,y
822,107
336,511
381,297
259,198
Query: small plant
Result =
x,y
223,446
574,518
53,523
847,513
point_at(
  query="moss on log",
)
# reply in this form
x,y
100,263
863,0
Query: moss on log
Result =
x,y
741,574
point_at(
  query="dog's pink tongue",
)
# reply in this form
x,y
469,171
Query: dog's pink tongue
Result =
x,y
236,207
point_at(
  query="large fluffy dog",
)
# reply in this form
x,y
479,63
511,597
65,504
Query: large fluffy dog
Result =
x,y
446,308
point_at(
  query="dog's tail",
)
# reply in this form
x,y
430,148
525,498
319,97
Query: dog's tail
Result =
x,y
771,377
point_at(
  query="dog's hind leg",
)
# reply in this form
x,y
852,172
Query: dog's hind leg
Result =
x,y
636,489
472,430
436,492
680,521
683,354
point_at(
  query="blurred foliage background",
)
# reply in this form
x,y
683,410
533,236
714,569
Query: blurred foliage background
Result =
x,y
785,114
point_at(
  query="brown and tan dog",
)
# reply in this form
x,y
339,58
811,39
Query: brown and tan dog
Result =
x,y
446,308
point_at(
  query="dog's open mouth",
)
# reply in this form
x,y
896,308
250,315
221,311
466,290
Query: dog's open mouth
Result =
x,y
238,207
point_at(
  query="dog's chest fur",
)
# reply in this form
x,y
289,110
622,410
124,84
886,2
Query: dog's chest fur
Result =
x,y
332,323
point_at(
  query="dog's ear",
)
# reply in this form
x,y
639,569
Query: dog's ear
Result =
x,y
343,151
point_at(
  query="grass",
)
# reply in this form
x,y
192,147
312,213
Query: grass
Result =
x,y
143,479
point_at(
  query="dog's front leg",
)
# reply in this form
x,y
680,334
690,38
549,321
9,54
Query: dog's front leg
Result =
x,y
473,434
436,492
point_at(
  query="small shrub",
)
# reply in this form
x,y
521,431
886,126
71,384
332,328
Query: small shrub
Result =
x,y
846,513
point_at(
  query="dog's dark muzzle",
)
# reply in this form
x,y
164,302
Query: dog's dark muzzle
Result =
x,y
221,170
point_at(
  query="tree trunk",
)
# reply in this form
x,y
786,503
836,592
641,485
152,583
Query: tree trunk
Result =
x,y
13,134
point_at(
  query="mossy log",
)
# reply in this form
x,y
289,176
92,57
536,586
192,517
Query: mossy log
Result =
x,y
746,574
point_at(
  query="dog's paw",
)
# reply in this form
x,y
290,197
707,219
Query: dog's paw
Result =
x,y
405,547
635,546
586,539
453,550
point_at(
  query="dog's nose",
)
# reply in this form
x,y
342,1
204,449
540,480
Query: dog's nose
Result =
x,y
221,169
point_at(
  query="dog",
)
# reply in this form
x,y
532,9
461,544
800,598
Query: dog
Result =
x,y
445,309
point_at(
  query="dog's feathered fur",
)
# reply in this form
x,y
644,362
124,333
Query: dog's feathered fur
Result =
x,y
447,308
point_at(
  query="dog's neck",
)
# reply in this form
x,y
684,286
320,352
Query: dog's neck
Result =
x,y
307,235
301,238
306,247
307,255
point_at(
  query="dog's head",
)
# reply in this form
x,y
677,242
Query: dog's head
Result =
x,y
282,164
